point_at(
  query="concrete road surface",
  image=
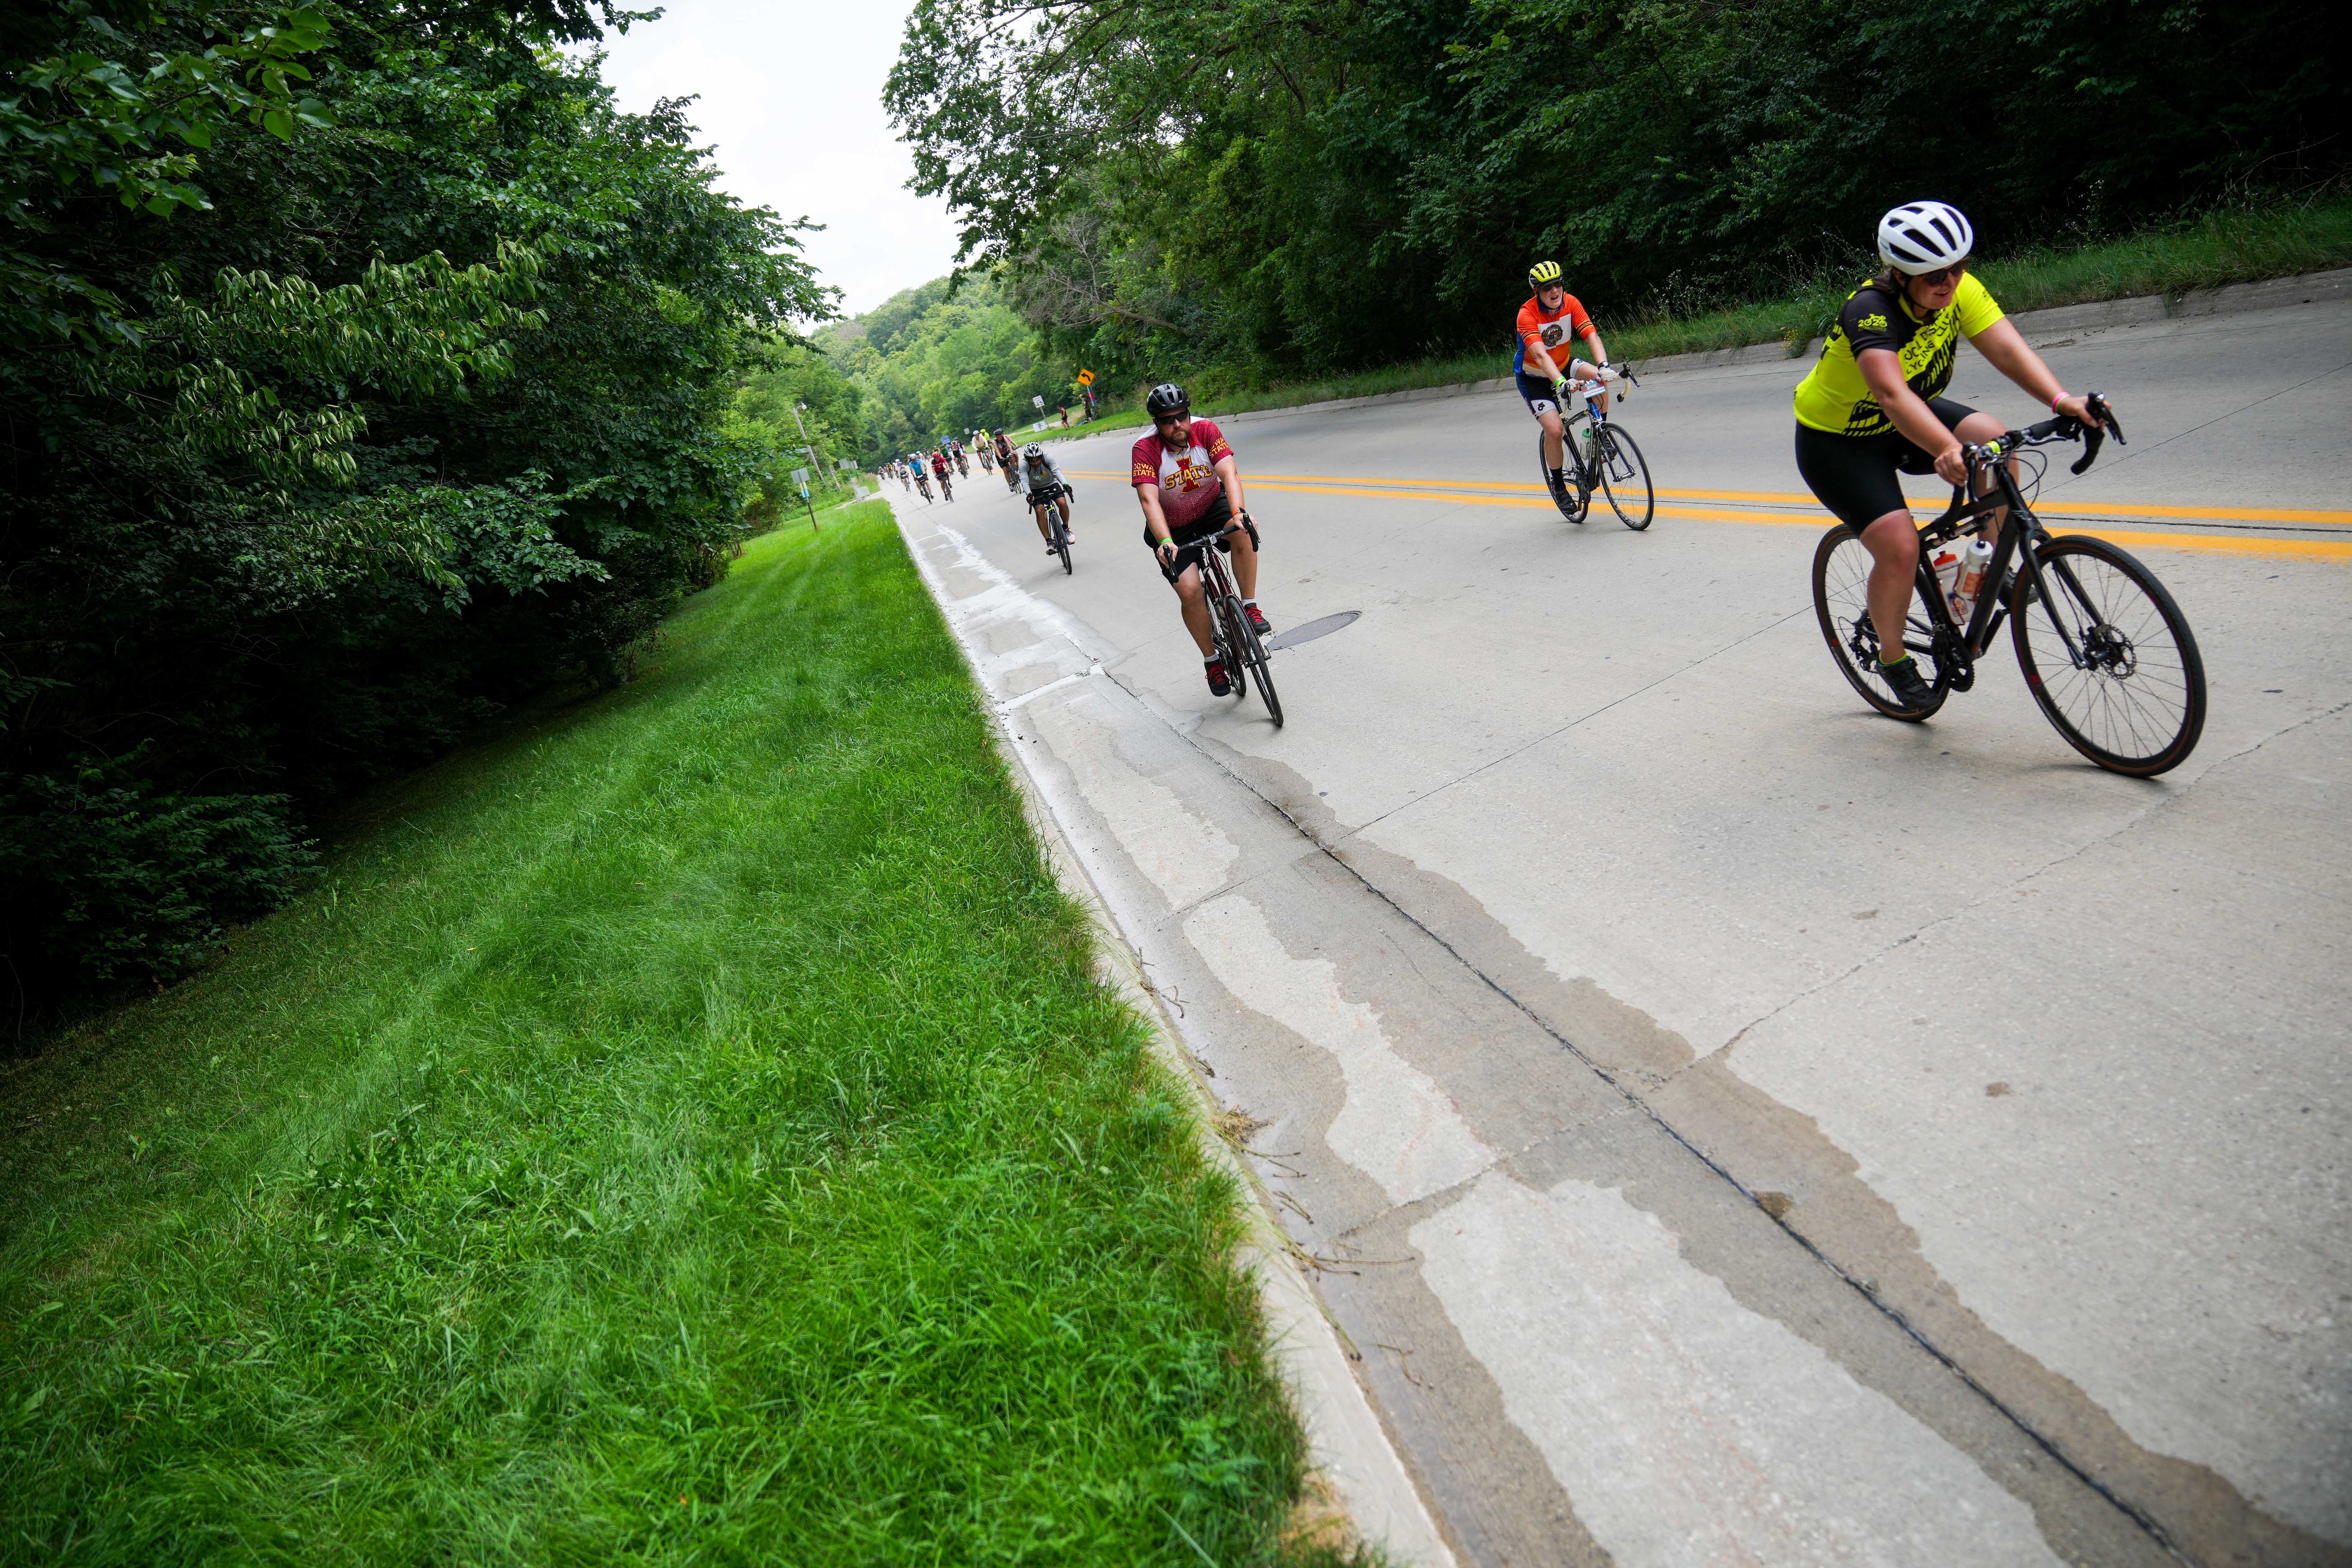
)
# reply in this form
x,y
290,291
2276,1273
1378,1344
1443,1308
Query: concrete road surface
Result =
x,y
1733,1127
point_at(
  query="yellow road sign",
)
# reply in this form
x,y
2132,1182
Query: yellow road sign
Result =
x,y
1085,378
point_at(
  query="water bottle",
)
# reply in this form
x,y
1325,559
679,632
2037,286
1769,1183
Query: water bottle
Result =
x,y
1946,566
1976,560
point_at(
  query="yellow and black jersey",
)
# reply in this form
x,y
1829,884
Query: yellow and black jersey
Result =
x,y
1835,398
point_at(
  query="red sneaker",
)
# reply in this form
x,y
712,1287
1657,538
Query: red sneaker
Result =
x,y
1218,685
1256,621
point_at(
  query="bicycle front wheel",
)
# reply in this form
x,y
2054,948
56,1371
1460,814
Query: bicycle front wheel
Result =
x,y
1253,654
1062,543
2130,695
1624,478
1842,604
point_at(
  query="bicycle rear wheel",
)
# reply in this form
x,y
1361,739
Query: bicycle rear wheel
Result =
x,y
1624,478
2136,704
1842,604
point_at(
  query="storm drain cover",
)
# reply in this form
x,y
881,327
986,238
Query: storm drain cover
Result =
x,y
1313,629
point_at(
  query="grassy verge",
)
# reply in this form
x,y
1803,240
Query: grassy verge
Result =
x,y
687,1130
2230,245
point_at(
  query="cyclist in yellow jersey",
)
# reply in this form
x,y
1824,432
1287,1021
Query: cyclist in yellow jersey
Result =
x,y
1872,406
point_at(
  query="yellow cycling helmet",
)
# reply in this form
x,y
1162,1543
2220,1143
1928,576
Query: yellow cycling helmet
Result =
x,y
1543,272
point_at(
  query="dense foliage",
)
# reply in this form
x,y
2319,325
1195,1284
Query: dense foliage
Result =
x,y
1327,186
365,369
946,359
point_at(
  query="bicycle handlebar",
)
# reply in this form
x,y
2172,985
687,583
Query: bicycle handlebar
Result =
x,y
2063,427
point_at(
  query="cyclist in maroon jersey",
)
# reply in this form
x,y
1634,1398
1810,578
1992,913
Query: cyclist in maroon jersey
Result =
x,y
1189,486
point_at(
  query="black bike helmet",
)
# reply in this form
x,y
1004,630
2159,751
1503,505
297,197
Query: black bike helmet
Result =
x,y
1165,399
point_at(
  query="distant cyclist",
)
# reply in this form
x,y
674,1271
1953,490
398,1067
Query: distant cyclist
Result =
x,y
1042,485
1553,318
1004,461
1189,486
922,482
987,458
962,463
1872,406
939,472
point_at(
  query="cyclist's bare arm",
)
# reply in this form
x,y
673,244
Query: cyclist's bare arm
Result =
x,y
1148,496
2006,347
1230,471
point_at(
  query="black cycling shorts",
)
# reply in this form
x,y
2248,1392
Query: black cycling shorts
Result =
x,y
1191,539
1048,495
1855,476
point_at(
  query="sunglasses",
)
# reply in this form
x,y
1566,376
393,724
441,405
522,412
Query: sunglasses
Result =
x,y
1172,419
1938,278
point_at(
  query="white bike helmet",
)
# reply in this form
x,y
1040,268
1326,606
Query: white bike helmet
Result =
x,y
1925,237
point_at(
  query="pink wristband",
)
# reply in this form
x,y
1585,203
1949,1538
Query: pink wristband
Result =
x,y
2060,398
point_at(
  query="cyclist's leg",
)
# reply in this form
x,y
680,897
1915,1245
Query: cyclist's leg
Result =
x,y
1196,609
1546,408
1970,425
1062,502
1037,510
1246,566
1893,541
1857,478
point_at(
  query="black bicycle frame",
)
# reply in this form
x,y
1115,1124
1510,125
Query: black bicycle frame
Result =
x,y
1992,605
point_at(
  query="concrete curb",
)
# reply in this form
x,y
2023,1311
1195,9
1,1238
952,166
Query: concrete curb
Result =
x,y
1354,1460
2235,299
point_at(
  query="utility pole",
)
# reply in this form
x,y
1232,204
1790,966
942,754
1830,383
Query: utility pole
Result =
x,y
821,466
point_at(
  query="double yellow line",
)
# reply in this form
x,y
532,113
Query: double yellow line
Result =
x,y
1787,508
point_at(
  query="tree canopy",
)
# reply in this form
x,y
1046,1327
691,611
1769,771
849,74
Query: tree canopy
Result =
x,y
365,369
1334,186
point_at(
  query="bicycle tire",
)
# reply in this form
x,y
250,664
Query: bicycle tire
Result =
x,y
1061,540
1841,605
2146,664
1253,654
1560,497
1614,445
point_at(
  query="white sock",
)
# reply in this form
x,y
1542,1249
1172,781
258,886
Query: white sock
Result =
x,y
1249,601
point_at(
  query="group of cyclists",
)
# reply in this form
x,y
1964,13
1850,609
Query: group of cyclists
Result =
x,y
1871,409
916,470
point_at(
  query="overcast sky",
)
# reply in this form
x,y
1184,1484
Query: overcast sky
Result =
x,y
791,100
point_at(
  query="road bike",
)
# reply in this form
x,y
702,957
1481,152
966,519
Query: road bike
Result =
x,y
2109,656
1610,461
1058,537
923,485
1237,643
947,483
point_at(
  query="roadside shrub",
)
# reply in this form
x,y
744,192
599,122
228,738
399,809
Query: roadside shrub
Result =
x,y
106,877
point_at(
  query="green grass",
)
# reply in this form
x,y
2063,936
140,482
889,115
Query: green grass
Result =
x,y
686,1129
2236,244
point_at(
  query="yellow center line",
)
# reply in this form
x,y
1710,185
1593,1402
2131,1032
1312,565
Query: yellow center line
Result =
x,y
2215,543
1426,488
